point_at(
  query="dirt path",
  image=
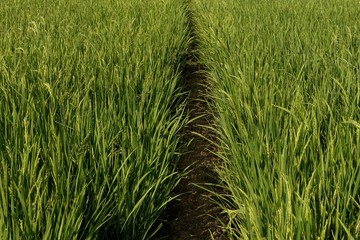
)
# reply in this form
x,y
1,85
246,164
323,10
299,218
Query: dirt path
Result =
x,y
193,215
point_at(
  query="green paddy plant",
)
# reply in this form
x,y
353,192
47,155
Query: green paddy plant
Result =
x,y
285,85
88,127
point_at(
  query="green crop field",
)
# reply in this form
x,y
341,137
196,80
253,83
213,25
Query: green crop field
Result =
x,y
88,127
92,112
285,77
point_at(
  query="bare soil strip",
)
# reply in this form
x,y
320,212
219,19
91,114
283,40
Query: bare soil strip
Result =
x,y
194,215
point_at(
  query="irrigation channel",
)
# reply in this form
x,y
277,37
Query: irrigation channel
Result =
x,y
195,215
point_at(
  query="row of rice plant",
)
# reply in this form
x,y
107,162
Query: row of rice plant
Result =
x,y
88,127
285,78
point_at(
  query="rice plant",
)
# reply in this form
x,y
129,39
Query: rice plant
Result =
x,y
286,96
88,127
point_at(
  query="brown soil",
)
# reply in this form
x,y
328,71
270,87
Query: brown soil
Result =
x,y
195,215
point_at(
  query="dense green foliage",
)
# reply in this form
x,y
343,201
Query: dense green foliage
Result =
x,y
88,127
286,88
90,110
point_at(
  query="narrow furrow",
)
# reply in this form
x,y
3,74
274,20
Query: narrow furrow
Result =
x,y
194,215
